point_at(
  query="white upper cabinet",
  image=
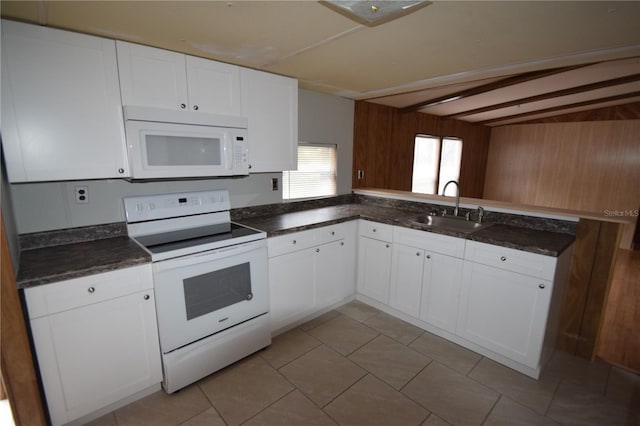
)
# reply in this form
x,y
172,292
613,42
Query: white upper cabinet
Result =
x,y
270,102
61,109
213,86
163,79
63,92
152,77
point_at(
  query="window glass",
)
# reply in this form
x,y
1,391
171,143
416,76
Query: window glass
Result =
x,y
450,164
436,161
316,174
425,164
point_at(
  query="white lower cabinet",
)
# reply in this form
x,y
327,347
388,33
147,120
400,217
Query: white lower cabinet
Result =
x,y
510,302
292,284
501,302
406,279
96,340
309,271
374,260
335,272
426,276
504,311
441,280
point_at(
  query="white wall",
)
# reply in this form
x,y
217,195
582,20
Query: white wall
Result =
x,y
47,206
328,119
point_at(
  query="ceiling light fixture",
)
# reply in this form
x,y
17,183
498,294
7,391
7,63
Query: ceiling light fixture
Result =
x,y
371,12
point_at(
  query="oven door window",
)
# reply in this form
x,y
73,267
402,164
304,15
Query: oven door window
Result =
x,y
215,290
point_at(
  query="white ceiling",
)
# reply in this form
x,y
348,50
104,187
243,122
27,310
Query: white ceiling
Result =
x,y
438,50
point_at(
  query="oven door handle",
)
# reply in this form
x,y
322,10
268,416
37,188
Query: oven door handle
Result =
x,y
208,256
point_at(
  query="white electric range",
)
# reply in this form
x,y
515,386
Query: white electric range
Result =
x,y
210,281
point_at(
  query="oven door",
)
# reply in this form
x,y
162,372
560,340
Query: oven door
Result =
x,y
203,294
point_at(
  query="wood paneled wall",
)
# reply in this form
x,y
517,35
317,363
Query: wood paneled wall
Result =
x,y
591,166
589,283
384,141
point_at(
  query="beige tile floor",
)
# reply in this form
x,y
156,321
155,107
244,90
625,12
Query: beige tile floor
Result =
x,y
358,366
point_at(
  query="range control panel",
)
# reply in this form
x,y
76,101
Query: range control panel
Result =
x,y
164,206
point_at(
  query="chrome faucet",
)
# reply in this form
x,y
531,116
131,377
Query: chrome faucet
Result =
x,y
455,211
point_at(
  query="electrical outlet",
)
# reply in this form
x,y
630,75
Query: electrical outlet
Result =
x,y
81,194
274,184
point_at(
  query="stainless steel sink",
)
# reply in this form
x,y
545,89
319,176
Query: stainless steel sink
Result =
x,y
449,223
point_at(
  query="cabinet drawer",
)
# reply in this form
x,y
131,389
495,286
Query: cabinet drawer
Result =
x,y
304,239
376,230
292,242
429,241
332,233
532,264
60,296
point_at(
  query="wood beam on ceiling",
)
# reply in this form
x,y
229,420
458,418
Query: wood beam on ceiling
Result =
x,y
560,108
558,93
478,90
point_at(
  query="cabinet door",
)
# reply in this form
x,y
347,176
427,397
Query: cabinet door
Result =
x,y
270,102
374,268
442,278
152,77
61,110
406,279
292,286
336,272
504,311
93,356
214,87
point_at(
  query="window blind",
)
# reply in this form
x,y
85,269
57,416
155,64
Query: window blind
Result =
x,y
316,174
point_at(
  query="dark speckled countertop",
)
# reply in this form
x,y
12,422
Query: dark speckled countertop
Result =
x,y
284,223
539,241
64,254
45,261
516,237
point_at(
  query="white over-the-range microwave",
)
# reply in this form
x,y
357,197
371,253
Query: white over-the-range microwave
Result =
x,y
184,144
